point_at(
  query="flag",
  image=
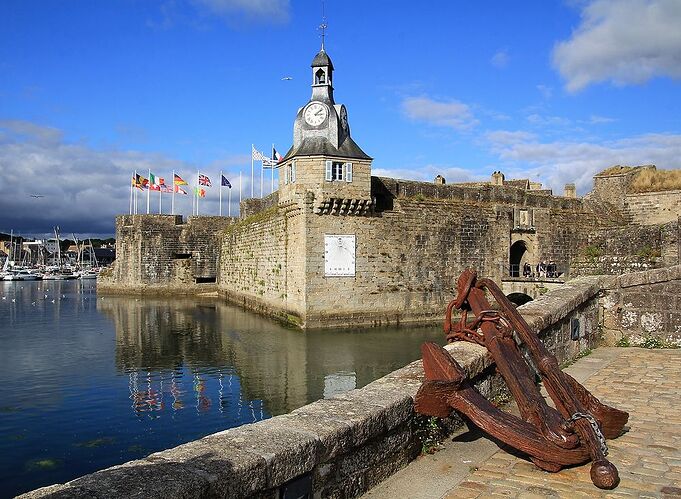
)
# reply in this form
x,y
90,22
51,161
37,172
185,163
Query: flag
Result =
x,y
180,190
154,187
204,180
257,155
177,180
276,156
136,182
225,182
160,181
141,181
165,188
200,192
152,178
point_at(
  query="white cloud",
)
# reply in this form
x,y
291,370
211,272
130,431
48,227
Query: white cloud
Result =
x,y
624,41
595,119
83,188
269,11
542,120
561,162
500,59
450,113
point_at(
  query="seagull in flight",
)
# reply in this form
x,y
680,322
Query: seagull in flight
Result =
x,y
287,78
36,196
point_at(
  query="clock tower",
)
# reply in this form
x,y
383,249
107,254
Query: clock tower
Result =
x,y
324,162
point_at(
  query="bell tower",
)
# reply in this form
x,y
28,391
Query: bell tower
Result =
x,y
324,160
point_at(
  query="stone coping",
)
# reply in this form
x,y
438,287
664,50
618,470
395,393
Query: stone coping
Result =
x,y
653,276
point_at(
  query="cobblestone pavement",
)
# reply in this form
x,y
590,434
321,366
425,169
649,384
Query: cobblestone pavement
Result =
x,y
647,384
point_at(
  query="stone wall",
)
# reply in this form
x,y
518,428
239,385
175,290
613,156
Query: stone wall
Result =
x,y
252,206
648,208
337,447
262,263
164,254
643,305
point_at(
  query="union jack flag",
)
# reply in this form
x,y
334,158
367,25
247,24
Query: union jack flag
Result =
x,y
204,180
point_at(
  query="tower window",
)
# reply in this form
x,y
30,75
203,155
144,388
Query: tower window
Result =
x,y
337,171
320,77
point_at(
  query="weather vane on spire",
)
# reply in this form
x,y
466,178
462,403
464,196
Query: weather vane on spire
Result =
x,y
323,26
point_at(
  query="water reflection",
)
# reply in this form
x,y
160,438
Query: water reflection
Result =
x,y
194,347
90,382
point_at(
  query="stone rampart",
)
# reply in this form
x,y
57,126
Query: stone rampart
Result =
x,y
338,447
643,306
648,208
164,254
252,206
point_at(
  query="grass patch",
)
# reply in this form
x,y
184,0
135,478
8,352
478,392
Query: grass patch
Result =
x,y
430,433
650,180
617,169
43,464
650,342
580,355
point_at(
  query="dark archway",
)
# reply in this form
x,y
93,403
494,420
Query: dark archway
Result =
x,y
519,298
518,249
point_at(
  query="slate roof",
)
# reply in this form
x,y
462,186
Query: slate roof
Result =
x,y
321,59
319,146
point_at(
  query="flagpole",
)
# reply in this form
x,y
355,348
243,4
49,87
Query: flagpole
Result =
x,y
148,189
252,150
262,170
239,192
172,200
133,181
272,171
134,209
160,211
197,192
220,192
229,201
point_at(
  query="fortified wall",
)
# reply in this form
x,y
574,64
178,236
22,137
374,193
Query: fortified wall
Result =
x,y
336,246
163,254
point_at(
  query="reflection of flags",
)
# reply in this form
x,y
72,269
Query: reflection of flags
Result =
x,y
257,155
180,190
204,180
275,155
177,180
200,192
225,182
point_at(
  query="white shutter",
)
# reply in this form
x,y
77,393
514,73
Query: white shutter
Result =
x,y
293,172
329,166
286,174
348,172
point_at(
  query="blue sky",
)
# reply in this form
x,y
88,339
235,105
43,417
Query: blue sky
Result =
x,y
553,90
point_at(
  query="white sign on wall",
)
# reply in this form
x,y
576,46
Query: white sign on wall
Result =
x,y
339,255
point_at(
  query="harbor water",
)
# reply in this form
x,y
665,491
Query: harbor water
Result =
x,y
92,381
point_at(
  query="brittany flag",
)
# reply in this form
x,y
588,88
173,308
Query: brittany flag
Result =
x,y
177,180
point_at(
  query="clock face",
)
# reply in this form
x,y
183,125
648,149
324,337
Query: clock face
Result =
x,y
344,118
315,114
339,255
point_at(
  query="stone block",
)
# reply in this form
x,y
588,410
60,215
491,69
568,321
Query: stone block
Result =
x,y
287,452
144,479
229,471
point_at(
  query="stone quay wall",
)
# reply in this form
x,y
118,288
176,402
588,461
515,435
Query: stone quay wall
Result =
x,y
163,254
643,306
336,447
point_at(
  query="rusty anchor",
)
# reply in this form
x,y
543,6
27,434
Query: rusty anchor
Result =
x,y
572,433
